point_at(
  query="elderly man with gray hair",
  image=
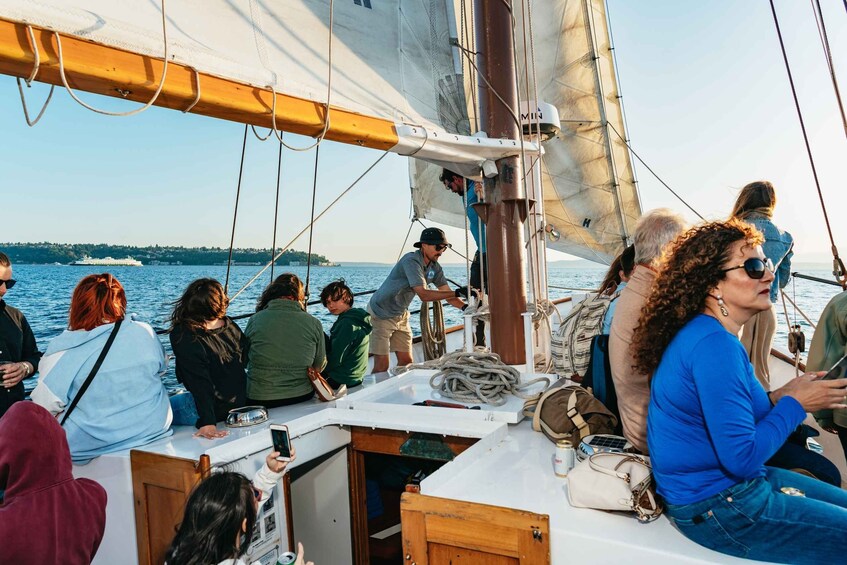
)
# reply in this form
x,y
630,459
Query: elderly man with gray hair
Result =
x,y
653,232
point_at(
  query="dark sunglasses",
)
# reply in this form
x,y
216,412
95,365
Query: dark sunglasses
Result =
x,y
441,247
9,283
754,267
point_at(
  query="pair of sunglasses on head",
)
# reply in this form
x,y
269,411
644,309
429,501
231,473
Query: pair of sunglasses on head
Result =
x,y
755,267
8,282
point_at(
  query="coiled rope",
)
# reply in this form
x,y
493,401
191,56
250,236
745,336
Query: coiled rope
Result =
x,y
477,378
433,336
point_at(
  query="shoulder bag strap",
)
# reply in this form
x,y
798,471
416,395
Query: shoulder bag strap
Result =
x,y
93,372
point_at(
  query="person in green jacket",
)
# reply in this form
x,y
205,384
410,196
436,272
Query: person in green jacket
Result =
x,y
829,344
284,342
347,360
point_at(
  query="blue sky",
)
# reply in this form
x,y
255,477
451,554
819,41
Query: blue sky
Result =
x,y
705,92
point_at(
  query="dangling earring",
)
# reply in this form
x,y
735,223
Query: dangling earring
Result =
x,y
721,305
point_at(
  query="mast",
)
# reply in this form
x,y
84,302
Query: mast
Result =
x,y
498,101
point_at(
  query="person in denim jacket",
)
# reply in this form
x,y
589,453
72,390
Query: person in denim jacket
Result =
x,y
755,205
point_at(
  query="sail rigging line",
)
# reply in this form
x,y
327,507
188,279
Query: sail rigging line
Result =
x,y
601,104
816,8
312,218
235,212
322,135
619,95
122,92
197,88
276,208
406,240
318,217
466,34
838,265
433,332
658,178
794,304
36,65
788,323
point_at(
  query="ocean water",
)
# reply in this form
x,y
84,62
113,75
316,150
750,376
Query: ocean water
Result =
x,y
43,293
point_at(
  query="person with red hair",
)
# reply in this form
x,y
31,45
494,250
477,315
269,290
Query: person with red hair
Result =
x,y
102,376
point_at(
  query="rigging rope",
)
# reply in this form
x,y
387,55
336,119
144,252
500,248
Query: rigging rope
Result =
x,y
318,217
276,209
36,64
122,92
816,7
652,172
477,378
433,337
838,265
235,212
312,218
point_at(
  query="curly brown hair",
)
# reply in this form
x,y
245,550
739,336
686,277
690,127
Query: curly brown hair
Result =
x,y
690,268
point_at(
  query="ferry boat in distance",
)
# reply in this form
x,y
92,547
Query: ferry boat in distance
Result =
x,y
106,262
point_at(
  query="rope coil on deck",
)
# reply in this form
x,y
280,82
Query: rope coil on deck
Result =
x,y
477,378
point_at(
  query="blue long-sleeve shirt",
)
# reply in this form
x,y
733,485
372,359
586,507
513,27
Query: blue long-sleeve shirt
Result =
x,y
710,424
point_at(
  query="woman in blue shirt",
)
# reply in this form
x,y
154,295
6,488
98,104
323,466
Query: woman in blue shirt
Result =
x,y
711,426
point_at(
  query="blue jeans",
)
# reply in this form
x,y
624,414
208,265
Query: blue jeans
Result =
x,y
184,408
755,520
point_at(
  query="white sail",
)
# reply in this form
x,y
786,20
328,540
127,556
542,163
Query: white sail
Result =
x,y
391,59
590,197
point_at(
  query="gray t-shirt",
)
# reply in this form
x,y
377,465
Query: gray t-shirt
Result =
x,y
396,293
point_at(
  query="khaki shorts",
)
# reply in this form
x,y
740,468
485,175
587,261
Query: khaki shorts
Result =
x,y
390,334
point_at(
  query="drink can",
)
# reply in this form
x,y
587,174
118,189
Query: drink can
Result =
x,y
565,458
287,558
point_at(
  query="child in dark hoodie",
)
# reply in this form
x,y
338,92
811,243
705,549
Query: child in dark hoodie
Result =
x,y
347,351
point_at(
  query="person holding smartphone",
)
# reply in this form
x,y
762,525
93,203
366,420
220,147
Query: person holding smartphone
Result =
x,y
711,427
221,513
829,344
19,353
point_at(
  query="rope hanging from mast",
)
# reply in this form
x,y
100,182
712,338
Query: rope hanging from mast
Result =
x,y
235,212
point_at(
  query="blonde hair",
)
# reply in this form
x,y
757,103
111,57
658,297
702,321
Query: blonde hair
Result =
x,y
757,197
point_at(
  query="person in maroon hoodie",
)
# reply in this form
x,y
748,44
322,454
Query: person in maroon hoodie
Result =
x,y
46,516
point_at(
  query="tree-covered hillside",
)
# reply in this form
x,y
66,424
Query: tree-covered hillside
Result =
x,y
45,253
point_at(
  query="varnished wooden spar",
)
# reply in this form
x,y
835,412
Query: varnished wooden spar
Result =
x,y
109,71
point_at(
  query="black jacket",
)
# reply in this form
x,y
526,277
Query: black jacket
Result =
x,y
17,343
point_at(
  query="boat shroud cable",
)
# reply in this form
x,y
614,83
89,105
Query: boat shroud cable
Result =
x,y
838,269
235,212
276,208
312,218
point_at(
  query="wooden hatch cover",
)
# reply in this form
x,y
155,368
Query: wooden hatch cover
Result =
x,y
161,485
440,531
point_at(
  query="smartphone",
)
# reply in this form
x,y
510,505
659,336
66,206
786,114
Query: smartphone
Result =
x,y
281,441
838,371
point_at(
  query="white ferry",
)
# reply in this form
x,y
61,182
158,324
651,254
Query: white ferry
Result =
x,y
106,262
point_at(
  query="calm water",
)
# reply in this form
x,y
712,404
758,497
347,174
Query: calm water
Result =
x,y
43,293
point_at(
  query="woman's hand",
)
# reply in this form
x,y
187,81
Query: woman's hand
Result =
x,y
13,373
210,432
814,394
275,464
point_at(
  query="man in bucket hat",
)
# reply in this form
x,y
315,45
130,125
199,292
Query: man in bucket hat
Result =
x,y
411,276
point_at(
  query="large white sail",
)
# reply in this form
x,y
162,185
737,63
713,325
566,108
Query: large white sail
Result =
x,y
590,197
392,60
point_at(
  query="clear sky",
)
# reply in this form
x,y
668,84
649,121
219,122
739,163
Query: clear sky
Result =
x,y
705,91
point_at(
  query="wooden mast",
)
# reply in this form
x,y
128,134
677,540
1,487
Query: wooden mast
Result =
x,y
505,192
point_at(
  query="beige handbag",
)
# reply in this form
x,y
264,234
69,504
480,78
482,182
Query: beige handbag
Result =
x,y
615,481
